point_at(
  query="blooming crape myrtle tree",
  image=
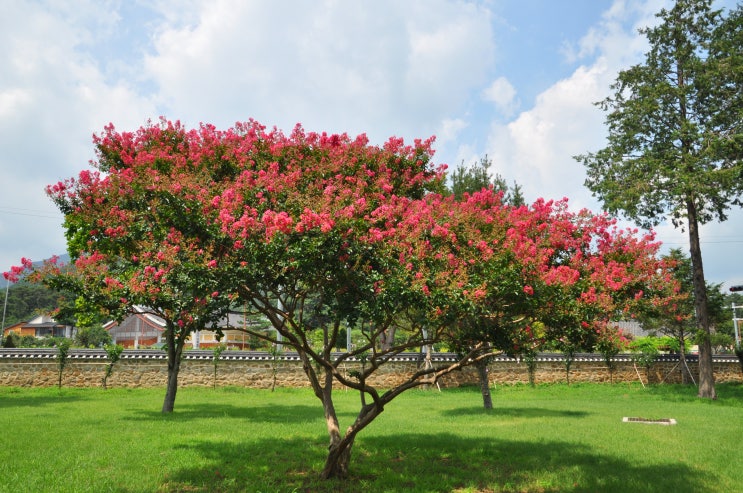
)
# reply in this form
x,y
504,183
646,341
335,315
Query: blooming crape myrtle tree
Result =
x,y
137,234
312,224
610,275
486,279
550,275
331,225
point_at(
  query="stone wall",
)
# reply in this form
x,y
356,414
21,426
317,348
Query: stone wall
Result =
x,y
85,368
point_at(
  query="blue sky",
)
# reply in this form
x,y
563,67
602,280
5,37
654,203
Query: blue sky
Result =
x,y
511,79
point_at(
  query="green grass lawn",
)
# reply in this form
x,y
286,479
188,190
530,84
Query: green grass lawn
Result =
x,y
544,439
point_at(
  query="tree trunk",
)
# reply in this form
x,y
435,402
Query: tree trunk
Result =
x,y
338,460
339,450
175,351
482,372
388,338
531,366
568,364
706,374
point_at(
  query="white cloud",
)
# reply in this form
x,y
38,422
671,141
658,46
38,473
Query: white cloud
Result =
x,y
537,147
615,37
448,135
382,67
450,129
503,95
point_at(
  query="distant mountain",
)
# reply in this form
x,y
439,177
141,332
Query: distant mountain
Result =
x,y
64,259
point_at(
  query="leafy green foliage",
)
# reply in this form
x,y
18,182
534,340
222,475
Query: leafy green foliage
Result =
x,y
645,351
11,340
670,120
31,341
113,353
722,343
92,337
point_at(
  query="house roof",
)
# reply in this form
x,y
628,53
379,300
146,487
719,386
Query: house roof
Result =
x,y
230,321
42,321
143,315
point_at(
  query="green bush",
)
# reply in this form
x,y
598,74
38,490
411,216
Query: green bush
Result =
x,y
722,343
663,343
92,337
645,350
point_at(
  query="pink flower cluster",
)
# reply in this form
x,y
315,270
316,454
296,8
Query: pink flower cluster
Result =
x,y
15,271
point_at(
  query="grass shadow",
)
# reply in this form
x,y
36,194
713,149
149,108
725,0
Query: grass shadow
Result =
x,y
9,397
417,462
295,414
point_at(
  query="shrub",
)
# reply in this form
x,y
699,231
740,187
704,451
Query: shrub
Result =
x,y
113,352
11,340
63,349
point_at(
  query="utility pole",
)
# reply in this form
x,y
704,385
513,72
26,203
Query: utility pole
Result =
x,y
5,307
735,315
735,324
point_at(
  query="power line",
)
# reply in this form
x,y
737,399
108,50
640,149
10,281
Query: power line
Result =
x,y
704,242
28,212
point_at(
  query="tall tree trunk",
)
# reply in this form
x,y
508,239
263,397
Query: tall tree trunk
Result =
x,y
706,374
531,365
482,372
175,350
339,451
